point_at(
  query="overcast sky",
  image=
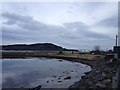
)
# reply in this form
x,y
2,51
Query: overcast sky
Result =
x,y
75,25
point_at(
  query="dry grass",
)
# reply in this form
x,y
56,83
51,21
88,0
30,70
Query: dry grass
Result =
x,y
71,55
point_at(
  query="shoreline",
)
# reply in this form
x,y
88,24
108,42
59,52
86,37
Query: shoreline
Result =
x,y
100,76
72,59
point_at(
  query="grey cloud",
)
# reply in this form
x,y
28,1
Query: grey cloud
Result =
x,y
98,36
81,30
11,36
16,17
28,23
47,34
109,22
69,35
74,30
10,22
25,22
86,43
32,26
29,30
76,25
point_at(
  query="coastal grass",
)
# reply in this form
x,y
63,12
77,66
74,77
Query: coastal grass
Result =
x,y
51,54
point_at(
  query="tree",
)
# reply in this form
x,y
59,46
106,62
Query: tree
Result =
x,y
97,49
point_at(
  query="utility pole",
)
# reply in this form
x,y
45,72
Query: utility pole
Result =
x,y
116,40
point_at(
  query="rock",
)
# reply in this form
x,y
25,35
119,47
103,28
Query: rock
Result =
x,y
67,72
100,85
76,76
59,81
106,81
60,60
103,83
82,77
103,74
90,82
58,78
97,71
98,77
111,60
69,77
86,72
36,88
54,76
47,81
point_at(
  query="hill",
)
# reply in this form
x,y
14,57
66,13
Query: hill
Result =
x,y
34,47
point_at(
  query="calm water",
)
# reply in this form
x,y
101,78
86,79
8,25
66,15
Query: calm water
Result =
x,y
49,73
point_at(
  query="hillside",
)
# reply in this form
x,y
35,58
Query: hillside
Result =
x,y
33,47
36,47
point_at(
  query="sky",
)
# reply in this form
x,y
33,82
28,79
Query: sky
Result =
x,y
75,25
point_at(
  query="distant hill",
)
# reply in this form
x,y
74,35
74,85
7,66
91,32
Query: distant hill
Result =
x,y
35,47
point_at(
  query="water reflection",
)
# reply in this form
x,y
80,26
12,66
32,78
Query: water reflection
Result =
x,y
46,72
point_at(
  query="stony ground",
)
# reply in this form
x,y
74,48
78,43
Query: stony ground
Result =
x,y
101,75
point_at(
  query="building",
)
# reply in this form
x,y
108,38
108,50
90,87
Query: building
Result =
x,y
71,51
117,52
117,47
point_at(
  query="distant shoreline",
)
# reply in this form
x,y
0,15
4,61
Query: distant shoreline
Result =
x,y
88,59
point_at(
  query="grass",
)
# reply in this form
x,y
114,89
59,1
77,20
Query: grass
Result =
x,y
51,54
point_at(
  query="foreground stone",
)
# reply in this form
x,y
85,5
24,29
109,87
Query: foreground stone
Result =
x,y
69,77
100,77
